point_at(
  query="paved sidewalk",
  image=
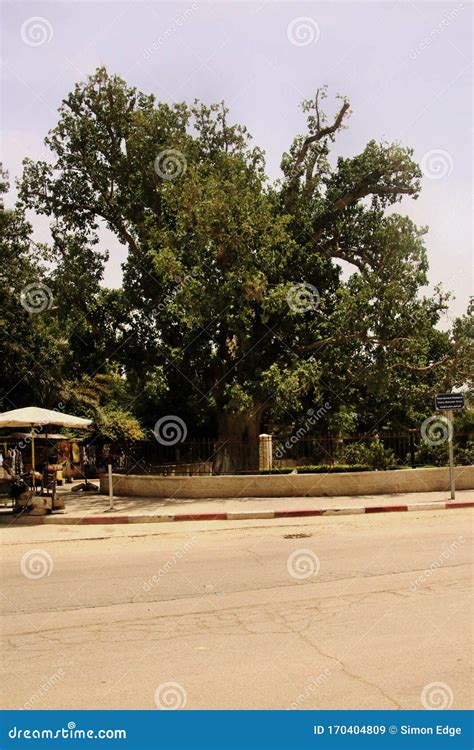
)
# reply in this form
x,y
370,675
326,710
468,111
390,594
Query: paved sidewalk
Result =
x,y
82,508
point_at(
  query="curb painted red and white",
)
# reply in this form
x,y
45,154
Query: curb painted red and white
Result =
x,y
231,516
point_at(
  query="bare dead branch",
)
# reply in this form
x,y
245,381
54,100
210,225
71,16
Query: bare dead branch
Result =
x,y
317,136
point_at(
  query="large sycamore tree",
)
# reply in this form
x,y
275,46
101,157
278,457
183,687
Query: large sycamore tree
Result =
x,y
234,311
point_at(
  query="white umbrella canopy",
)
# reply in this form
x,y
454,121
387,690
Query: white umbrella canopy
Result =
x,y
33,416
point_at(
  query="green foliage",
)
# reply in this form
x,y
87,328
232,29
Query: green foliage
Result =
x,y
371,453
343,420
464,454
431,455
117,424
104,399
203,325
32,347
332,469
437,455
320,469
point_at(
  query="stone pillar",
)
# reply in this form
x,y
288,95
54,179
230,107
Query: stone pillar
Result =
x,y
265,452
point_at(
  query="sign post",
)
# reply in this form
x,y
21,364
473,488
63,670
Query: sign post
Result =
x,y
449,415
448,402
111,489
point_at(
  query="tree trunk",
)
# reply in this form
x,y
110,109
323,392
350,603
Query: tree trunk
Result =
x,y
238,442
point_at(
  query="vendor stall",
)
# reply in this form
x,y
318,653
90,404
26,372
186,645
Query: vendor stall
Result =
x,y
67,454
28,479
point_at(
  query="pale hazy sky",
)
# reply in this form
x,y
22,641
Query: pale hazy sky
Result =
x,y
405,66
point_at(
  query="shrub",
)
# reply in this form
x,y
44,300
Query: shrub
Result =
x,y
379,457
437,455
320,469
332,469
373,454
431,455
464,455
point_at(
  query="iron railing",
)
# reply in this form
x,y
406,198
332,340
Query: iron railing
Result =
x,y
205,456
211,456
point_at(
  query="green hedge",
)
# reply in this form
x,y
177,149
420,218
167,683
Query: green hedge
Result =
x,y
337,469
330,469
320,469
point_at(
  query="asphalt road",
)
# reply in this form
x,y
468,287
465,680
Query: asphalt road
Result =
x,y
361,612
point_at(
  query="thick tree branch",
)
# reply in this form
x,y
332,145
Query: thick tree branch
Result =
x,y
351,337
368,186
426,368
333,249
317,136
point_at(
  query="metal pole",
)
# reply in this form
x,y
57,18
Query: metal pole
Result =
x,y
33,460
451,453
111,489
412,449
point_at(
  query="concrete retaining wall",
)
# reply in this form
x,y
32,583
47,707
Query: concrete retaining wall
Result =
x,y
293,485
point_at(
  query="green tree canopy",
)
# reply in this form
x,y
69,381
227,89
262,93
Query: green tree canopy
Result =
x,y
234,311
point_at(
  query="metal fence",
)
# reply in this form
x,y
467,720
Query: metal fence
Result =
x,y
330,449
192,457
394,449
210,456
